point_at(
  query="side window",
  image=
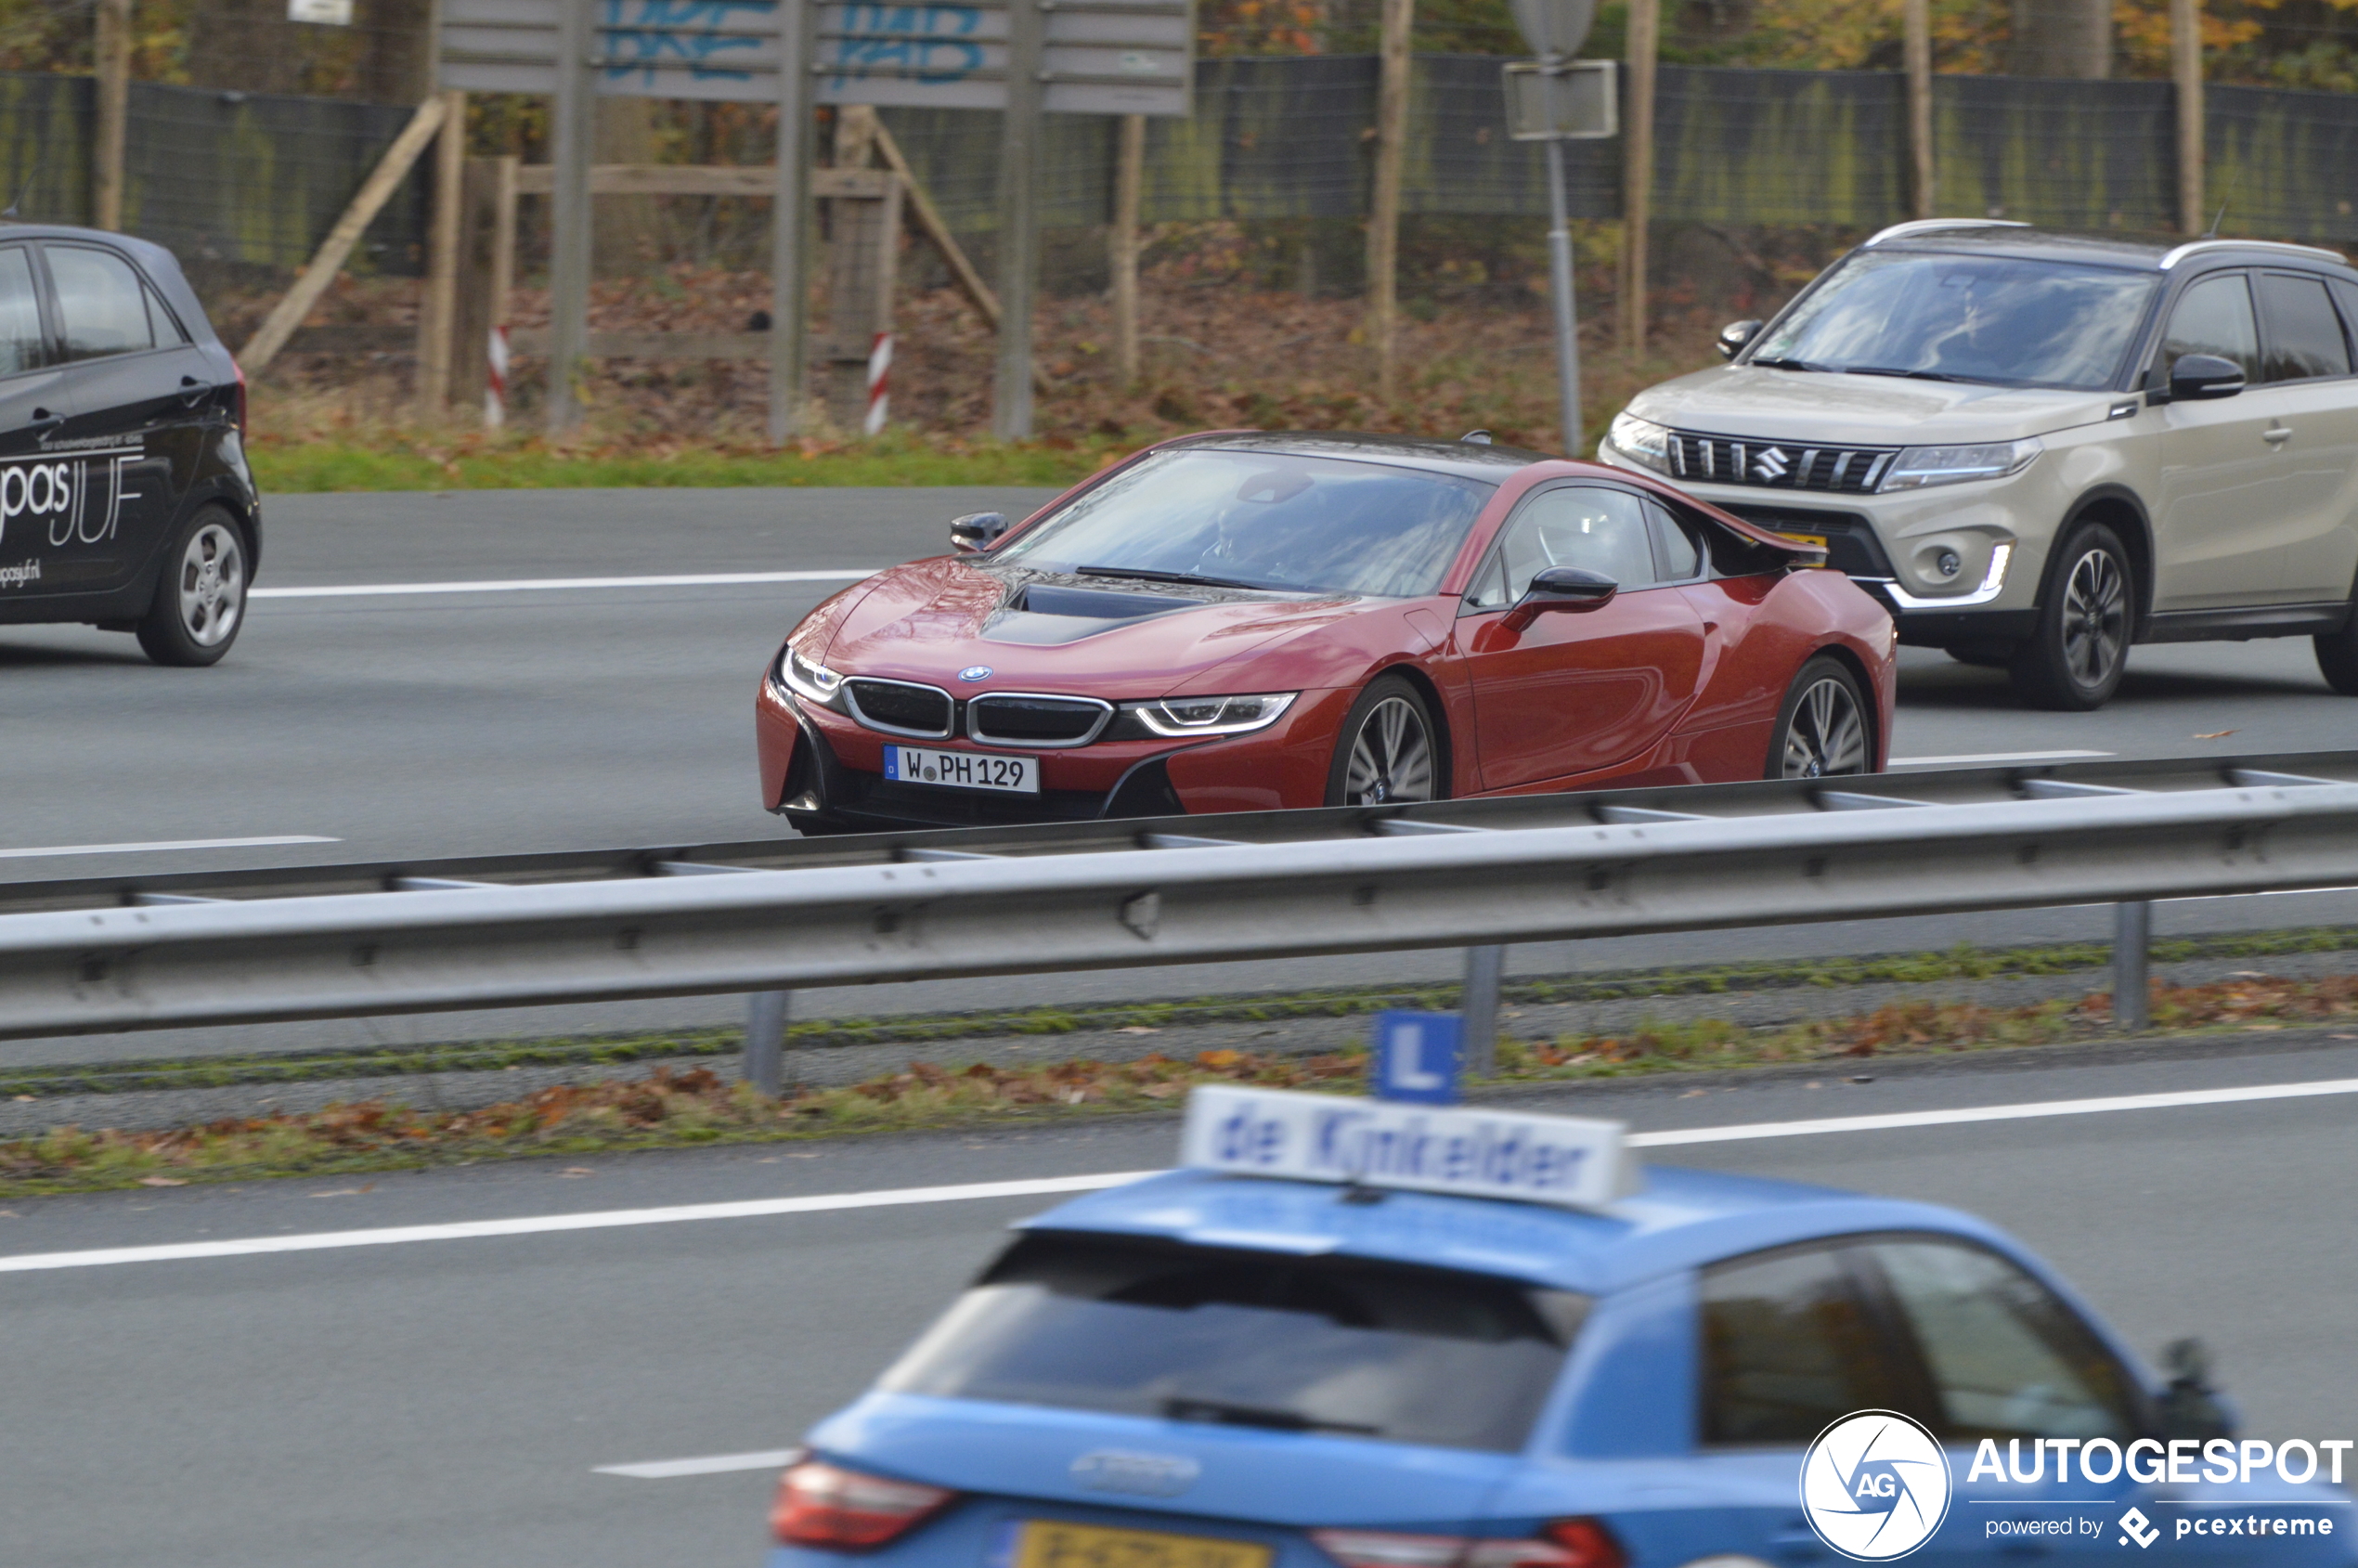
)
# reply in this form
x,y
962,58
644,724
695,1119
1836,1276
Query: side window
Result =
x,y
103,305
161,324
2304,336
21,343
2214,317
2006,1358
1788,1346
1575,525
1676,545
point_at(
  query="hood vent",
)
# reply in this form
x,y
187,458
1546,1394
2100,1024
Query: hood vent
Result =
x,y
1050,612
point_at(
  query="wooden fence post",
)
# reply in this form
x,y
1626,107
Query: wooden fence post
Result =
x,y
1383,216
439,308
1916,45
111,51
2186,59
1130,177
1637,171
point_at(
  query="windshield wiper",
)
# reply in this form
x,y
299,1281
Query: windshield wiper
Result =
x,y
1784,364
1144,574
1912,375
1225,1414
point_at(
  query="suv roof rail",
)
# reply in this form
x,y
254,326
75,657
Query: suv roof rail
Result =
x,y
2309,252
1928,226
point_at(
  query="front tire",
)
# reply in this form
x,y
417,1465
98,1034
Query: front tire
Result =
x,y
2337,657
1823,728
1388,752
2074,661
200,595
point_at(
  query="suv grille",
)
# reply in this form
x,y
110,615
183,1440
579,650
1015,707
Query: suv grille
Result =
x,y
899,707
1028,720
1784,465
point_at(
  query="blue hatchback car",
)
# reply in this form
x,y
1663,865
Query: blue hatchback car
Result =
x,y
1204,1369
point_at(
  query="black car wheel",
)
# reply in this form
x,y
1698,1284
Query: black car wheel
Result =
x,y
1388,752
2073,662
201,597
1822,730
2337,655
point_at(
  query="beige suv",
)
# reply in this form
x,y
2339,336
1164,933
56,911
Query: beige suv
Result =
x,y
2040,449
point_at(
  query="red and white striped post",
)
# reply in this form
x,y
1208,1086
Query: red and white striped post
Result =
x,y
495,391
879,382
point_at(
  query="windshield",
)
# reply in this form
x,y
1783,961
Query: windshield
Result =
x,y
1970,319
1262,520
1249,1339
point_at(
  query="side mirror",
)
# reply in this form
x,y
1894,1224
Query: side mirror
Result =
x,y
977,531
2190,1405
1565,587
2197,377
1734,335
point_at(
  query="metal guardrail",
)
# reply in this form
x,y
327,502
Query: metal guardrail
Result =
x,y
114,953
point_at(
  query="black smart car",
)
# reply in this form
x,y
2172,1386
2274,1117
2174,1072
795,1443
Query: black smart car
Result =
x,y
125,502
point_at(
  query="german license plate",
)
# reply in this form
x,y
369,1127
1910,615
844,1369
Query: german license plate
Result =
x,y
1046,1544
962,770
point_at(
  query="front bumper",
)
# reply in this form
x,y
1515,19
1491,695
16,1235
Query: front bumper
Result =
x,y
824,771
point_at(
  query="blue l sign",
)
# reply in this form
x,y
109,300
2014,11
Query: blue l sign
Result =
x,y
1416,1058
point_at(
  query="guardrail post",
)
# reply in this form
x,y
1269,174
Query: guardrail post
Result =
x,y
2131,942
766,1014
1478,1009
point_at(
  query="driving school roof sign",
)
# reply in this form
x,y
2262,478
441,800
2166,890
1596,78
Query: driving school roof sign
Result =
x,y
1100,57
1561,1159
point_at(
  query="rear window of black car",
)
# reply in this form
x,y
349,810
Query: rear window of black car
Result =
x,y
1251,1339
1271,520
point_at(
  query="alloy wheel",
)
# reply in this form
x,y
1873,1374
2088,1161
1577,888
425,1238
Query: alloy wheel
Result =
x,y
1827,733
1390,757
2096,619
212,584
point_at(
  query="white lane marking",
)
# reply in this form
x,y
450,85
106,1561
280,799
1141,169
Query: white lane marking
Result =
x,y
712,1464
44,850
1044,1186
545,585
1967,761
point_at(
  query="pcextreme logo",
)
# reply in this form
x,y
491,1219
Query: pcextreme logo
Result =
x,y
1875,1486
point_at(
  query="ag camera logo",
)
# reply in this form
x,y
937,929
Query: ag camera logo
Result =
x,y
1875,1486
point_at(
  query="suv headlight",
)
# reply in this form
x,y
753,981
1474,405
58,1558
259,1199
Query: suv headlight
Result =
x,y
1919,466
1211,716
1642,441
808,678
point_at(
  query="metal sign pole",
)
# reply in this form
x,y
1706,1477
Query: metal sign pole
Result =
x,y
1018,220
1559,281
569,212
789,221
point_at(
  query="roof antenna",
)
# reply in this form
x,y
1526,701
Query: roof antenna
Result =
x,y
2212,233
9,212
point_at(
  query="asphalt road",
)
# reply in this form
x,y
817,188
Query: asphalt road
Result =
x,y
448,1401
464,722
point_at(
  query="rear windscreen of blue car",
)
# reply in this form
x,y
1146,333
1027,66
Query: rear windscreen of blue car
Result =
x,y
1251,1339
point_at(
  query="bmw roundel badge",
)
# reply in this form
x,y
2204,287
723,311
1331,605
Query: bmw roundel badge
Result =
x,y
975,672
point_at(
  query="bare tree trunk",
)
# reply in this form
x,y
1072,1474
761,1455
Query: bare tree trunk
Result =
x,y
2061,38
1383,217
627,231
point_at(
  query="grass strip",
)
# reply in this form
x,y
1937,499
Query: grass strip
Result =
x,y
1959,962
676,1110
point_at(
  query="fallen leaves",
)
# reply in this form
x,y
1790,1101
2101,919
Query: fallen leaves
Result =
x,y
2217,734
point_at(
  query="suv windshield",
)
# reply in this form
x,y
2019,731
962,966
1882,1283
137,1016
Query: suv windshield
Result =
x,y
1971,319
1270,520
1250,1339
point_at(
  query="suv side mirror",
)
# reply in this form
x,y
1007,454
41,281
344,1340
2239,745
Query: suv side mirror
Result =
x,y
977,531
2190,1405
1734,335
2197,377
1565,587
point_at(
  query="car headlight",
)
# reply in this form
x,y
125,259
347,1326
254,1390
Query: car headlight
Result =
x,y
1642,441
1211,716
808,678
1919,466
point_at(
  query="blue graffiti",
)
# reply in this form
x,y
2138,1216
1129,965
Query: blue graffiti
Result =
x,y
927,44
643,36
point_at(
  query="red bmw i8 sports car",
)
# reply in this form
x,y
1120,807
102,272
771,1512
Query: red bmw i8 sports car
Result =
x,y
1244,621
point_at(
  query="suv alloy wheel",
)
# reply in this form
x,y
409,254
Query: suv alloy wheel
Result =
x,y
2075,658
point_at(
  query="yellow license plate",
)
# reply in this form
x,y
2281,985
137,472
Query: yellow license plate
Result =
x,y
1816,541
1047,1543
